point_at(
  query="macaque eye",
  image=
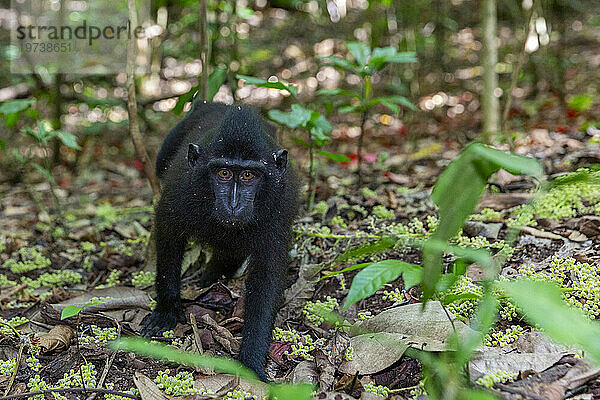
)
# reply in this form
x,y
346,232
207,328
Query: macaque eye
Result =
x,y
224,173
247,175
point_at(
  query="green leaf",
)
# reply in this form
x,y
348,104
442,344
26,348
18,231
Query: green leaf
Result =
x,y
286,391
44,172
459,187
341,271
393,107
68,139
451,298
93,303
484,320
244,12
349,109
320,128
14,106
335,92
301,142
386,55
299,116
470,255
184,99
542,305
457,192
373,277
10,121
250,80
215,80
367,249
360,51
70,311
163,352
393,100
2,144
334,157
581,102
342,63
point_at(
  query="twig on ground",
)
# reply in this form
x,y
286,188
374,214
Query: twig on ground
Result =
x,y
69,390
14,374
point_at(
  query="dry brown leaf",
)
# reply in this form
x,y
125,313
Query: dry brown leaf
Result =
x,y
58,339
147,387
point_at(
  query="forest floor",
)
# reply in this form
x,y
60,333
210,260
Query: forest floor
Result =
x,y
96,247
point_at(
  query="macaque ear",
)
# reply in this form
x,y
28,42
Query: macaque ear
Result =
x,y
281,159
194,153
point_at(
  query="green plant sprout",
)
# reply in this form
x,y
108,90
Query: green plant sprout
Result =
x,y
366,63
41,137
11,111
72,309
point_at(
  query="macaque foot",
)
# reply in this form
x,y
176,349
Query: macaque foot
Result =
x,y
161,321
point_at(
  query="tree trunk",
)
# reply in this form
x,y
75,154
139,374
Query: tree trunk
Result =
x,y
489,101
134,126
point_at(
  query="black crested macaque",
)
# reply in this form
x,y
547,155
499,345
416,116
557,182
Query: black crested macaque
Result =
x,y
227,184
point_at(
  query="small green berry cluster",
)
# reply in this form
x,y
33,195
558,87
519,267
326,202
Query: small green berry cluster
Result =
x,y
33,363
578,196
87,247
383,213
5,282
181,384
507,311
432,222
142,279
368,193
35,384
503,338
7,367
112,280
338,221
522,215
418,390
239,395
31,258
73,377
349,353
417,226
478,242
5,325
111,386
464,308
99,335
396,295
302,345
53,279
487,214
377,389
364,315
500,376
321,208
314,311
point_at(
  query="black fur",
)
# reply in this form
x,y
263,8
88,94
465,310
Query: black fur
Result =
x,y
191,207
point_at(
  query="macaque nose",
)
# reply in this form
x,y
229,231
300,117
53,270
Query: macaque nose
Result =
x,y
234,197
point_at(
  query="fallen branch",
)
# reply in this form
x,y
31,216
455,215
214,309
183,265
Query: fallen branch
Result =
x,y
69,390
